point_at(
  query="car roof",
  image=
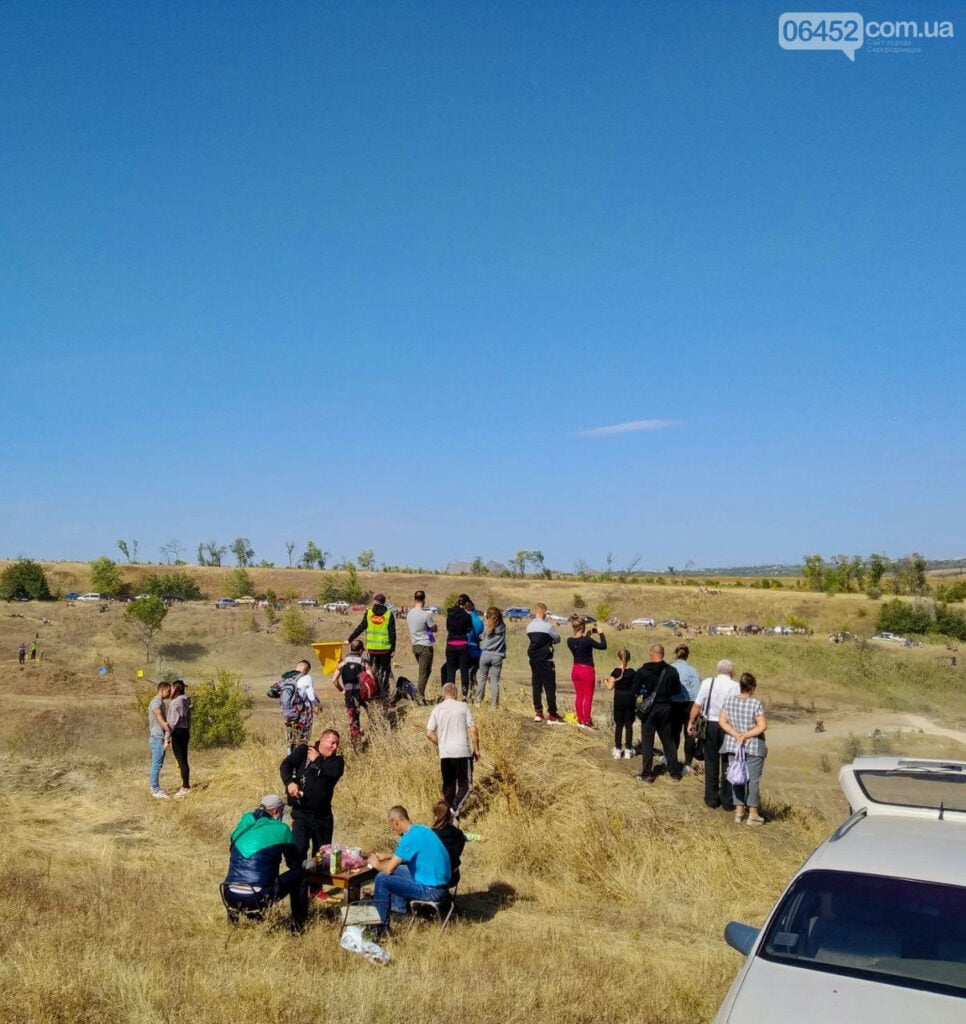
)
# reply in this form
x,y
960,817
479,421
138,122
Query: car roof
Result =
x,y
897,847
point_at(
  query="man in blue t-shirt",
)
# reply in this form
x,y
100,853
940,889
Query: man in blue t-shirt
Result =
x,y
419,869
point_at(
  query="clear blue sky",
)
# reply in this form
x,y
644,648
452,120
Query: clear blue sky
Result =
x,y
374,274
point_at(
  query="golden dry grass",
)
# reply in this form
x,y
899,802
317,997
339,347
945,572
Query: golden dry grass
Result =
x,y
589,900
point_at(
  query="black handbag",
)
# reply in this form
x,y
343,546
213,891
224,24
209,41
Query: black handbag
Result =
x,y
699,727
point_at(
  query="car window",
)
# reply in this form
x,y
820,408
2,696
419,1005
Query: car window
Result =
x,y
893,930
915,785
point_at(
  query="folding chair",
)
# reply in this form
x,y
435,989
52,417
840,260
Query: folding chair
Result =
x,y
443,908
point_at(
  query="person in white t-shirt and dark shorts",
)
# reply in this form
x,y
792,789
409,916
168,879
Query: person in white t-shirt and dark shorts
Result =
x,y
452,730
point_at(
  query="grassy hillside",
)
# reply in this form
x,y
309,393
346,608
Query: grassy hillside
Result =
x,y
587,892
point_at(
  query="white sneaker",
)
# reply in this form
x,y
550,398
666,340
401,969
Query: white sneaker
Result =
x,y
629,753
159,794
662,761
181,793
686,770
617,753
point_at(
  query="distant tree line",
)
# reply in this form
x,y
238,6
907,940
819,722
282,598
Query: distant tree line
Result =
x,y
873,575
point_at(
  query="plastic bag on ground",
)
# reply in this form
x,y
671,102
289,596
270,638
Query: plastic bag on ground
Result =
x,y
354,941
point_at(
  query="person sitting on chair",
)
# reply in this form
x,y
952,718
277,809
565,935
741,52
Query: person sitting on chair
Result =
x,y
259,842
420,868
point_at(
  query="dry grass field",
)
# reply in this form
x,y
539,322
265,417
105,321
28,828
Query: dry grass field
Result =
x,y
590,900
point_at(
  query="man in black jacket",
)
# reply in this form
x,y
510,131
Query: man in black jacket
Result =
x,y
310,774
657,677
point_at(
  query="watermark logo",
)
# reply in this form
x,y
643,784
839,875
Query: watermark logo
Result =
x,y
847,31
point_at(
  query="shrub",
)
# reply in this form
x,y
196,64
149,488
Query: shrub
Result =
x,y
178,585
106,576
897,616
239,584
579,601
603,611
293,628
220,706
24,579
342,587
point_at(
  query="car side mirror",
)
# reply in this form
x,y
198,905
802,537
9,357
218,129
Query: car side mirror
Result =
x,y
741,937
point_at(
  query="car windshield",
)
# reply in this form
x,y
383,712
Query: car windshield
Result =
x,y
894,930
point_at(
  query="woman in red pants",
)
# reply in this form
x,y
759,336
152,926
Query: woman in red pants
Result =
x,y
582,675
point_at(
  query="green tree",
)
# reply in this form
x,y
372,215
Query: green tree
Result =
x,y
129,551
241,548
106,576
145,618
813,571
478,567
899,617
220,706
313,556
24,579
293,628
602,611
211,553
178,585
875,569
239,584
290,547
518,563
366,560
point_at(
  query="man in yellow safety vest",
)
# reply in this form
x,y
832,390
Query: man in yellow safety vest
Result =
x,y
379,625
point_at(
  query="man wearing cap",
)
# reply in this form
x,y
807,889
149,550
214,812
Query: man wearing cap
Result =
x,y
379,625
419,869
422,630
310,774
257,845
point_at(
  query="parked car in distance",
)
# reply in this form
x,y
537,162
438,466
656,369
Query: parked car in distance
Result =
x,y
722,630
308,602
555,617
89,597
873,925
336,606
434,608
753,628
892,638
589,619
71,595
674,624
226,602
516,613
644,620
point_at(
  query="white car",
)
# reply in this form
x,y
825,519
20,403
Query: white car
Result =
x,y
892,638
644,620
554,617
89,597
873,926
336,606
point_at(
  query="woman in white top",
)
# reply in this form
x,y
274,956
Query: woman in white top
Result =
x,y
744,722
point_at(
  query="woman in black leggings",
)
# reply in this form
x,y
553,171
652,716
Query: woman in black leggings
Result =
x,y
621,681
179,721
458,627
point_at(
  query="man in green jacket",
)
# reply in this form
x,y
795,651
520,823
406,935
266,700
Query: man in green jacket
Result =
x,y
257,845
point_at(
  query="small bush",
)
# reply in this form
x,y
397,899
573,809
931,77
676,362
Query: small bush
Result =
x,y
178,585
220,706
579,601
239,584
602,611
851,749
293,628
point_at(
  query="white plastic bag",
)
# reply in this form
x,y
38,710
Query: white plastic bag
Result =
x,y
738,768
354,942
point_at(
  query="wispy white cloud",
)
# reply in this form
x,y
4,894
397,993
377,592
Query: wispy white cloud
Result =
x,y
628,428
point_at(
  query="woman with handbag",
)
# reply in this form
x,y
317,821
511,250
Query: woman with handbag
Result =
x,y
744,723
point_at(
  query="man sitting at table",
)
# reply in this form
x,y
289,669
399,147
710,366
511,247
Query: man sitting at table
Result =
x,y
418,870
259,842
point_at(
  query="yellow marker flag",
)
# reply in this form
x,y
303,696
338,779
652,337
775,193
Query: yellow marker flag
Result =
x,y
140,673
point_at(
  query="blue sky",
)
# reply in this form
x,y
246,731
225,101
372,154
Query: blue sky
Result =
x,y
375,274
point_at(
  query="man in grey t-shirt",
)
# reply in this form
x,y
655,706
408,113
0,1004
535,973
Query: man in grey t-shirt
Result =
x,y
422,630
451,728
